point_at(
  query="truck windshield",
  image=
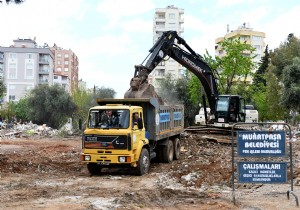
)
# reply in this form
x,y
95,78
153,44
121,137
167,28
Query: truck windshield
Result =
x,y
108,118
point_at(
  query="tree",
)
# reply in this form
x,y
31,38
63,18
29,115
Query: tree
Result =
x,y
291,91
283,56
259,75
236,63
101,92
2,89
273,93
20,109
176,91
82,100
50,105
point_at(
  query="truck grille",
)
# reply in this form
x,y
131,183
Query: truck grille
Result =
x,y
105,142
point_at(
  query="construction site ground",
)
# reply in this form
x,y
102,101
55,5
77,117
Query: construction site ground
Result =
x,y
46,173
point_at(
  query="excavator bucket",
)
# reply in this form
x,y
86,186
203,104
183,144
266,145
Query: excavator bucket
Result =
x,y
141,90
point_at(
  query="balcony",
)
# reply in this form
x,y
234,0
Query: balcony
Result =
x,y
43,81
43,71
43,61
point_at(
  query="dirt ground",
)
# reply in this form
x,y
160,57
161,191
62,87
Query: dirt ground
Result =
x,y
46,173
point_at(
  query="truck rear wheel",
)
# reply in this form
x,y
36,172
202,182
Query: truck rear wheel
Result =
x,y
143,164
168,152
94,168
176,144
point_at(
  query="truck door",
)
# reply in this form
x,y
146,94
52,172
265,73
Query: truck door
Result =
x,y
137,130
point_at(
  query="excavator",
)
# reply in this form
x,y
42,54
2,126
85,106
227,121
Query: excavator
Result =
x,y
224,109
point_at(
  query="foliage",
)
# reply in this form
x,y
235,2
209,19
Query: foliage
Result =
x,y
259,99
101,92
291,91
176,91
2,89
20,109
195,89
259,75
273,92
50,105
82,99
234,64
7,112
283,56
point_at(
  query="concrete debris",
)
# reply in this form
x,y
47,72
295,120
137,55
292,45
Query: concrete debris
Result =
x,y
30,129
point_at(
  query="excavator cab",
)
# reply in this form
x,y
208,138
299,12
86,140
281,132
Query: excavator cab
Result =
x,y
229,109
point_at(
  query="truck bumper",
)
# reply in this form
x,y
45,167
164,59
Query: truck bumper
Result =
x,y
107,160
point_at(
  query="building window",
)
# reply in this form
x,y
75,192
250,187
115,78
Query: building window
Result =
x,y
1,55
58,69
29,71
66,55
13,55
257,47
58,62
172,16
29,55
55,77
256,38
59,55
160,25
66,69
160,72
12,97
161,16
12,71
66,62
1,67
172,25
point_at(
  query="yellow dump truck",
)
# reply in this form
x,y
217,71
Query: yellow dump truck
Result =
x,y
130,132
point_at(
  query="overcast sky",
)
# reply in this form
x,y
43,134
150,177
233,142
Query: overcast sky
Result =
x,y
111,36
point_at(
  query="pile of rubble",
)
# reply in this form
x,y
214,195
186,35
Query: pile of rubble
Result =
x,y
26,130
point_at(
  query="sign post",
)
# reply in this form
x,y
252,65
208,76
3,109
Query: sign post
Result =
x,y
262,144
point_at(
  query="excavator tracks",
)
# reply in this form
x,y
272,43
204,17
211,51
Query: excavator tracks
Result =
x,y
214,134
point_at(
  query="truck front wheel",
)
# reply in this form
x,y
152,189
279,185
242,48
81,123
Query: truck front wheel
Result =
x,y
143,164
94,168
168,152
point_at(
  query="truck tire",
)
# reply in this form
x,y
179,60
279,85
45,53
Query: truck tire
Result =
x,y
168,152
177,146
94,168
143,164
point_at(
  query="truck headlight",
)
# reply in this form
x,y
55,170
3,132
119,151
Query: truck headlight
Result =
x,y
122,159
87,158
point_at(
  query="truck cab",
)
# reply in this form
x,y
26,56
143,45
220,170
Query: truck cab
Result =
x,y
111,138
129,133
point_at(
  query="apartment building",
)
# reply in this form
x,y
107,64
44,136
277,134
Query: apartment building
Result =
x,y
65,68
167,19
24,65
246,34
